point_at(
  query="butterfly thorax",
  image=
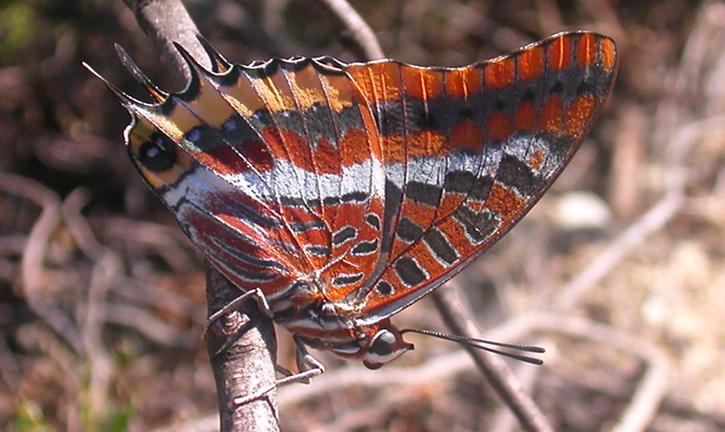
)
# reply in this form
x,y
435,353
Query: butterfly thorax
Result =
x,y
308,313
327,325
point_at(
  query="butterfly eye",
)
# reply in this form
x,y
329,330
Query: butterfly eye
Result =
x,y
384,343
157,154
385,347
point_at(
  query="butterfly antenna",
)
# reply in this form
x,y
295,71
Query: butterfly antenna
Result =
x,y
482,345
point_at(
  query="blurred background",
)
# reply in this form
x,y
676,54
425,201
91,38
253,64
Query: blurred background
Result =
x,y
102,298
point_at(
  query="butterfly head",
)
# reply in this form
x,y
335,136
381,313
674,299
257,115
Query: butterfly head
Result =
x,y
375,344
384,345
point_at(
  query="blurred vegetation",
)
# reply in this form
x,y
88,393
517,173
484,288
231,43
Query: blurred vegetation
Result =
x,y
115,265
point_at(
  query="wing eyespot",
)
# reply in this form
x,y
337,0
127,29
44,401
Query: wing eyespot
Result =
x,y
157,154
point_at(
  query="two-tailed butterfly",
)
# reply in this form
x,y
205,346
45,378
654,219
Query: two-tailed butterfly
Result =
x,y
343,193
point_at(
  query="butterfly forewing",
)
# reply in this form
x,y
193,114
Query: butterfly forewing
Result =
x,y
468,151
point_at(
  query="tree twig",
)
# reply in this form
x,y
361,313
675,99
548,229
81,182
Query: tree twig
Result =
x,y
503,381
649,223
244,366
527,376
31,266
247,363
652,387
355,34
166,22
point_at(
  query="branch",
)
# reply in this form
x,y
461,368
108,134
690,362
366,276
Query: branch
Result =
x,y
166,22
32,262
650,390
503,381
247,362
355,33
655,219
245,365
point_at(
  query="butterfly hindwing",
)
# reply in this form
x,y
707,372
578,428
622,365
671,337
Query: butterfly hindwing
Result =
x,y
274,170
468,151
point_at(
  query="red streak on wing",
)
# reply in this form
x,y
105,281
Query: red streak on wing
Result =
x,y
559,53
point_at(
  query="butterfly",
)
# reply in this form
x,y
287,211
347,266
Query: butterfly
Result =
x,y
342,193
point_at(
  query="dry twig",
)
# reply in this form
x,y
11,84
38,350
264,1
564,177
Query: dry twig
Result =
x,y
166,22
652,387
248,360
503,381
356,33
34,255
78,226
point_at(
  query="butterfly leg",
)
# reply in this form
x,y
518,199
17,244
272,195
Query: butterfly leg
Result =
x,y
256,294
308,366
283,370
